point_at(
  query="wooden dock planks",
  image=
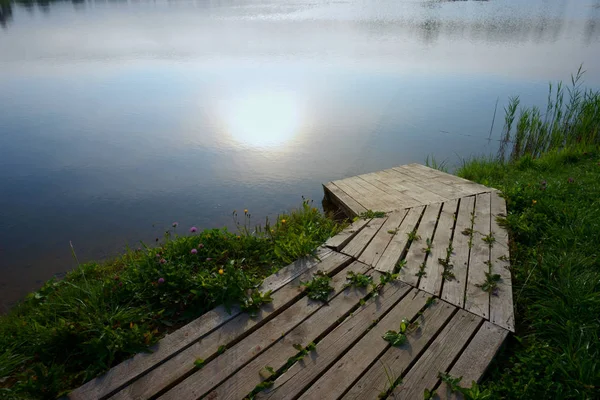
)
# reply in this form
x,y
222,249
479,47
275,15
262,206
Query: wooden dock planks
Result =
x,y
477,300
454,289
382,238
416,254
432,281
344,372
438,356
474,360
391,255
501,300
460,335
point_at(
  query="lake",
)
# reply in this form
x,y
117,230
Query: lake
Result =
x,y
118,118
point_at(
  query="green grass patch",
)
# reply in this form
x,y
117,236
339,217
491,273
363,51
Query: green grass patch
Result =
x,y
554,224
74,329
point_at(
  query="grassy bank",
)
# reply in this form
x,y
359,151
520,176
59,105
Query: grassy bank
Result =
x,y
548,167
554,224
74,329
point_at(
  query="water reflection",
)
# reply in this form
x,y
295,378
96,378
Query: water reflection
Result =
x,y
119,117
262,119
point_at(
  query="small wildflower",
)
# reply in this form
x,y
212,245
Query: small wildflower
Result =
x,y
283,221
194,251
200,246
209,259
272,230
157,255
193,229
175,224
533,202
239,237
161,281
131,325
221,272
315,209
245,211
162,261
120,284
570,180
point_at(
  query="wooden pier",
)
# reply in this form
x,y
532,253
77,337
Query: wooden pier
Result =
x,y
439,232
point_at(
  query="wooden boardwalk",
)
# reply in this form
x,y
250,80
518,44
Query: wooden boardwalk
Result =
x,y
440,231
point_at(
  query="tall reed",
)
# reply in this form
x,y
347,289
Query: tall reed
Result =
x,y
576,122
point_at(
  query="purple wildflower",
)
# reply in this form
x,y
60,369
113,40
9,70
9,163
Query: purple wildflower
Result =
x,y
209,259
200,246
175,224
570,180
543,183
161,281
162,261
194,251
193,229
157,255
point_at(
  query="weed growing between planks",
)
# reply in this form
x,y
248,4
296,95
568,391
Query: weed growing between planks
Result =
x,y
319,287
71,330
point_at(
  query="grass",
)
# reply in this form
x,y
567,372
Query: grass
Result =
x,y
548,168
72,330
554,224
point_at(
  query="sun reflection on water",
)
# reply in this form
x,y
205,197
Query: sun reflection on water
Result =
x,y
264,119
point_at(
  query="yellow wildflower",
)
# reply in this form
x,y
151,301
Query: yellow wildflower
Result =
x,y
245,211
238,236
534,202
221,271
283,221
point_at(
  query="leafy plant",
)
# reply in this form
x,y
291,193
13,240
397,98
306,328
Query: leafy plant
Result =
x,y
370,214
398,338
490,283
252,303
489,239
318,288
427,250
358,280
421,272
413,236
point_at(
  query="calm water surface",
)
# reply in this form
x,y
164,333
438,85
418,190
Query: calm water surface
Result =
x,y
119,117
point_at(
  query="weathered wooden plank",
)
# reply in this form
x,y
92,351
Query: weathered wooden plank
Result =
x,y
422,195
356,246
438,356
435,186
416,255
432,282
465,185
477,300
402,200
386,200
343,200
302,373
395,360
338,241
501,300
184,337
359,194
382,239
454,289
226,364
239,325
390,257
474,360
344,372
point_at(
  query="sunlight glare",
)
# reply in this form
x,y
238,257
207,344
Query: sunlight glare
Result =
x,y
266,119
